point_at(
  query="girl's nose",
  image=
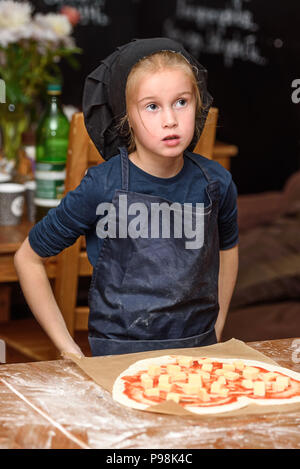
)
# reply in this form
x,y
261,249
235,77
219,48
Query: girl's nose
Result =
x,y
169,118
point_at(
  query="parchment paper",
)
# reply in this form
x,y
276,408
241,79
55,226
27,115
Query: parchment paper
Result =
x,y
105,370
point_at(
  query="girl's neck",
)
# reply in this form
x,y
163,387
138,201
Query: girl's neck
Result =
x,y
161,167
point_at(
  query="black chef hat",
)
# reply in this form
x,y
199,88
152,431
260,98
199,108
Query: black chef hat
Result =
x,y
104,101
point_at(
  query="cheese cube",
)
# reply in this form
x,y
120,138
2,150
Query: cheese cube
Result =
x,y
189,388
207,367
195,378
146,381
239,365
276,387
154,392
268,376
185,361
204,374
224,392
247,383
163,379
165,386
215,387
203,361
231,375
173,396
259,388
218,388
181,376
221,380
154,370
250,372
203,395
173,369
280,384
220,372
228,367
285,380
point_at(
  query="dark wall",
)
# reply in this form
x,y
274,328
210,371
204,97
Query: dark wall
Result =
x,y
251,50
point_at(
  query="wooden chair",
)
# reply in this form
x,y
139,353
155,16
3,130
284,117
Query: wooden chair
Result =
x,y
206,143
72,263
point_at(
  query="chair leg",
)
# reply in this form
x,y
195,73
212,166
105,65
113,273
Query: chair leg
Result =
x,y
5,300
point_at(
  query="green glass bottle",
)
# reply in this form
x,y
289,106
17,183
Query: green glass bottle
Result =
x,y
52,140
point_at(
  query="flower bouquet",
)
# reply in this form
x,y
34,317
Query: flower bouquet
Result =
x,y
31,47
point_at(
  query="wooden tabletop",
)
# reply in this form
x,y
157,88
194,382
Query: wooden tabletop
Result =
x,y
55,405
11,237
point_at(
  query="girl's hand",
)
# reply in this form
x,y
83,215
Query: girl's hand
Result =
x,y
74,350
77,354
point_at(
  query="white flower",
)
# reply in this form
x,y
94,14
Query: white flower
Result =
x,y
46,30
13,14
42,31
12,35
17,24
59,24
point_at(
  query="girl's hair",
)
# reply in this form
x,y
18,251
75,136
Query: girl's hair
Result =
x,y
151,64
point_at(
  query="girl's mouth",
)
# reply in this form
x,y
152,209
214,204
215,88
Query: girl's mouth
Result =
x,y
171,140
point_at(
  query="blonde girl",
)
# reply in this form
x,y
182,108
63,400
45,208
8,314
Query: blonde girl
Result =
x,y
160,221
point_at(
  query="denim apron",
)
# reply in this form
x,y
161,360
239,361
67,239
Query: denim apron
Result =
x,y
152,293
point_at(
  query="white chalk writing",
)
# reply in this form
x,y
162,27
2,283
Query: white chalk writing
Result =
x,y
209,31
91,11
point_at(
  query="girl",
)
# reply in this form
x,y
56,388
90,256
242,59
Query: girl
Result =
x,y
153,287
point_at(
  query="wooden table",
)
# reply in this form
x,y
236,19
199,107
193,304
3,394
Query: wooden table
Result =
x,y
11,238
55,405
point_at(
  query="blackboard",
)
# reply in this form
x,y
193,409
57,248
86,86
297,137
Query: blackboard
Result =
x,y
251,50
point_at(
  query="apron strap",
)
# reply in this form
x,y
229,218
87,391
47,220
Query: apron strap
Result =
x,y
191,157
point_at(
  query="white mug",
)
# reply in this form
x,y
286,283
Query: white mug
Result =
x,y
11,203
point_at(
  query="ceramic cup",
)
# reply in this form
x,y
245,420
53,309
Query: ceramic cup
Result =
x,y
4,177
11,203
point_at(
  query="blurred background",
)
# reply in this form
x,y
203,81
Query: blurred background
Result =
x,y
250,49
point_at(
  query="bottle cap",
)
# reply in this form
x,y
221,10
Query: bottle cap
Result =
x,y
54,88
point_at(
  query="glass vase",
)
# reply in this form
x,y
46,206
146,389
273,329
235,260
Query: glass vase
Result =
x,y
13,122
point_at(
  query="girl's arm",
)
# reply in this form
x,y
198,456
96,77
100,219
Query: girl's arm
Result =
x,y
40,298
227,279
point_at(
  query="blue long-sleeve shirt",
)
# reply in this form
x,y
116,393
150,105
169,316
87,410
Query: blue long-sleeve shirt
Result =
x,y
76,214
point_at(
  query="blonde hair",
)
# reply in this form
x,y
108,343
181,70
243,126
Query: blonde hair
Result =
x,y
152,64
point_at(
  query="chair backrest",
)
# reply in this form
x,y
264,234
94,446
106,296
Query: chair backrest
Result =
x,y
206,143
72,263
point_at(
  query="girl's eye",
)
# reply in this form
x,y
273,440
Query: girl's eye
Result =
x,y
181,102
151,107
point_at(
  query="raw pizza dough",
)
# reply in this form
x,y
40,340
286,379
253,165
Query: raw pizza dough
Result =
x,y
225,384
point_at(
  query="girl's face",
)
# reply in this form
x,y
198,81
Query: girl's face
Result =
x,y
162,113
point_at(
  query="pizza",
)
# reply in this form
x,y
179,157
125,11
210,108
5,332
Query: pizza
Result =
x,y
205,385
